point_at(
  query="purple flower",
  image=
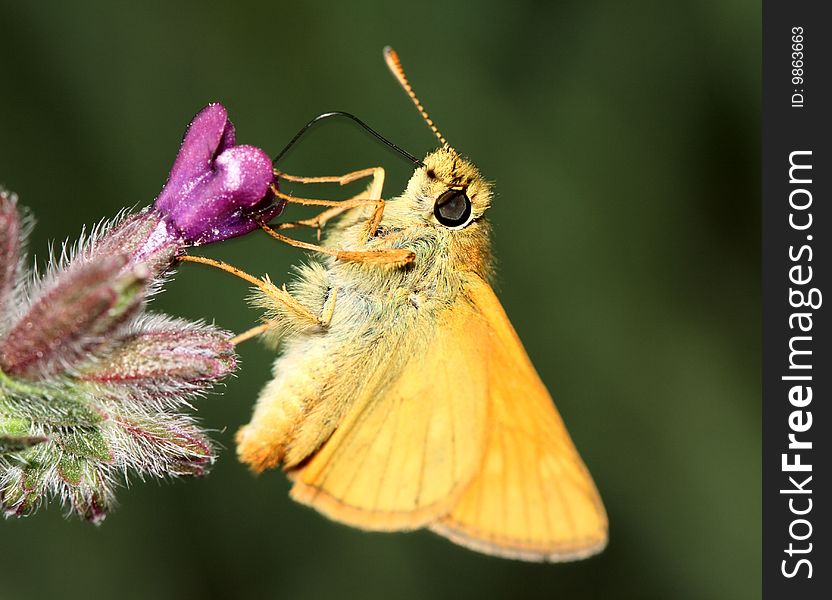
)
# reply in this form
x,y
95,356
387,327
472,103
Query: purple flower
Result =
x,y
217,190
92,387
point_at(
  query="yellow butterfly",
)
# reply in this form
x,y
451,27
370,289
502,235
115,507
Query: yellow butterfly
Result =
x,y
402,397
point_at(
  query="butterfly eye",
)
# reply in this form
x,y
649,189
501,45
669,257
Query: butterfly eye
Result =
x,y
452,208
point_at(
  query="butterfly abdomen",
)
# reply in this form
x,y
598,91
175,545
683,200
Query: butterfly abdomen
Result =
x,y
319,372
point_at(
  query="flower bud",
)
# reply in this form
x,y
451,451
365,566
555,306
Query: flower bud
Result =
x,y
169,358
91,387
145,237
10,233
76,314
166,446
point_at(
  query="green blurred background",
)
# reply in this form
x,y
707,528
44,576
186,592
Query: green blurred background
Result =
x,y
623,139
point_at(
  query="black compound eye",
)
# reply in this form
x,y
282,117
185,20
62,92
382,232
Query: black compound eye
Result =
x,y
452,208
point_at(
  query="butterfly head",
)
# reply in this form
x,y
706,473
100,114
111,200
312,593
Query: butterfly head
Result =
x,y
448,192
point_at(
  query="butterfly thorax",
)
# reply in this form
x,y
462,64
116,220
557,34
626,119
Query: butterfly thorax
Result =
x,y
441,263
443,255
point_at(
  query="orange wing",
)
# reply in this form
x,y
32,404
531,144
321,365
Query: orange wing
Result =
x,y
466,441
404,454
533,498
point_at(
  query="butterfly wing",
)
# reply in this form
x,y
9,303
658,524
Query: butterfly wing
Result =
x,y
467,441
404,454
532,498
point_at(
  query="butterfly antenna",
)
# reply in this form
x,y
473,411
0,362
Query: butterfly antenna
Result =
x,y
395,66
362,124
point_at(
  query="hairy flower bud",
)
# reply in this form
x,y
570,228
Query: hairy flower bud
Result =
x,y
10,233
146,238
178,448
92,388
166,357
75,315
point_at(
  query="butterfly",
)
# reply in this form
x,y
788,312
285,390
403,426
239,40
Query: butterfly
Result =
x,y
402,397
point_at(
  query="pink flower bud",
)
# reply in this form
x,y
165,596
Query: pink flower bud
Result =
x,y
168,358
10,234
177,447
145,237
84,307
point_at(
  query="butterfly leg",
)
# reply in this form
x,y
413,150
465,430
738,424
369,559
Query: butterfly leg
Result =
x,y
392,257
251,333
395,257
371,194
266,326
324,321
291,310
319,220
373,191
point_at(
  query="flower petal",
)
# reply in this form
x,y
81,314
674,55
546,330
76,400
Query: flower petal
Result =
x,y
217,190
207,134
240,194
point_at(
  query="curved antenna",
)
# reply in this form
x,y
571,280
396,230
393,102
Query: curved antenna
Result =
x,y
395,66
346,115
